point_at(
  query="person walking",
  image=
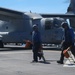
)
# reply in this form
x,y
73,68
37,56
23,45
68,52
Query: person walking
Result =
x,y
68,41
36,41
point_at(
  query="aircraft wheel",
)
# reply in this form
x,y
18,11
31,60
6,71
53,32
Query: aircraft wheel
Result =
x,y
1,44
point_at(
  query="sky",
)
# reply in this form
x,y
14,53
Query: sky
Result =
x,y
36,6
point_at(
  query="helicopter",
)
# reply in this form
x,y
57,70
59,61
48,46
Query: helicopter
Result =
x,y
16,26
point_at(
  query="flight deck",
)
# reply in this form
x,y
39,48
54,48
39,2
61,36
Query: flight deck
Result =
x,y
19,62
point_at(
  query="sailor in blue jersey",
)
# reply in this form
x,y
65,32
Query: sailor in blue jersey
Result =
x,y
36,40
68,41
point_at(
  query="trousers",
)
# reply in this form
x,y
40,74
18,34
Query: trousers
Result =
x,y
65,45
36,48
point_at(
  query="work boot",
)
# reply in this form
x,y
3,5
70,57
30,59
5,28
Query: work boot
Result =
x,y
60,62
34,61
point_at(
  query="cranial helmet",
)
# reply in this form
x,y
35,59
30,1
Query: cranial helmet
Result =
x,y
64,24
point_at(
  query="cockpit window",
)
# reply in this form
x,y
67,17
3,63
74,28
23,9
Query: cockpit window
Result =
x,y
48,24
6,27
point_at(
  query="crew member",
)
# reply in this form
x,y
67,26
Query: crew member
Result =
x,y
36,40
68,40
